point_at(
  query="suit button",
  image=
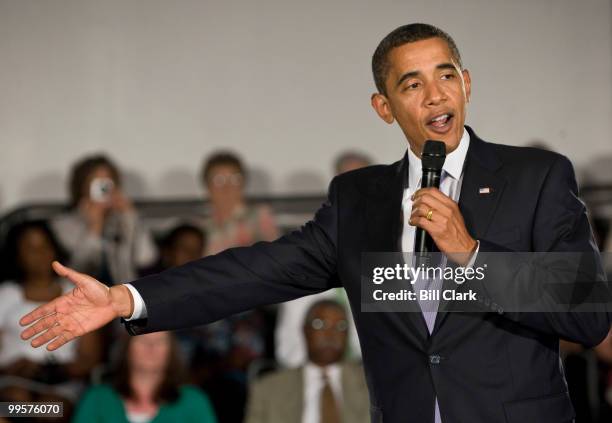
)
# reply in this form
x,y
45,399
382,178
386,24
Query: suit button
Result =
x,y
434,359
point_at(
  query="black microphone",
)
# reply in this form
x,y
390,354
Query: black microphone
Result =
x,y
432,160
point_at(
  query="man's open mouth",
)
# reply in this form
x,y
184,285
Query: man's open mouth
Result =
x,y
441,123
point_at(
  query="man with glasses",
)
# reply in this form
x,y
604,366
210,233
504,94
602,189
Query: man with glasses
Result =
x,y
325,389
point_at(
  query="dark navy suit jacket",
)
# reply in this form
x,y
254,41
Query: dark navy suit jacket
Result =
x,y
493,366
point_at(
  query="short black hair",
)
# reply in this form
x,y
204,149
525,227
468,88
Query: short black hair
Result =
x,y
176,232
403,35
11,266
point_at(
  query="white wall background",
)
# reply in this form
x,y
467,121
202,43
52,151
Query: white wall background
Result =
x,y
159,84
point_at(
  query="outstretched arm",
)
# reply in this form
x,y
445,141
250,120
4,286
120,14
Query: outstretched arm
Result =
x,y
298,264
89,306
205,290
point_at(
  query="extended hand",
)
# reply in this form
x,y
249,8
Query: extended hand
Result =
x,y
445,224
89,306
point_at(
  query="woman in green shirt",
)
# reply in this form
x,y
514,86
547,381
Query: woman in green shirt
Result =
x,y
146,388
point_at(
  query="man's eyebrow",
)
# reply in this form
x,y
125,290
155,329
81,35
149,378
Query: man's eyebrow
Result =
x,y
446,66
412,74
406,76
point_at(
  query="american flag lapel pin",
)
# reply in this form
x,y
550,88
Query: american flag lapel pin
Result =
x,y
485,190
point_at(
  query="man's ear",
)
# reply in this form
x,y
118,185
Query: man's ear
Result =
x,y
380,103
467,83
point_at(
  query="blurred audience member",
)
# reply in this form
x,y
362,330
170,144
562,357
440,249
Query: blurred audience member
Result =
x,y
232,222
219,353
26,373
103,233
147,387
182,244
540,144
350,160
325,389
290,350
228,347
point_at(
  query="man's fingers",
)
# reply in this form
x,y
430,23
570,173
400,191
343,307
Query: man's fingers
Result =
x,y
434,192
72,275
422,222
56,334
63,338
419,211
46,336
61,270
431,203
40,326
37,313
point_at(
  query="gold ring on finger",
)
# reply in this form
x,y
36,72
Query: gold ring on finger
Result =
x,y
429,215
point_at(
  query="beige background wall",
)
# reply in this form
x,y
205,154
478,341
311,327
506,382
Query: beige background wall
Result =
x,y
159,84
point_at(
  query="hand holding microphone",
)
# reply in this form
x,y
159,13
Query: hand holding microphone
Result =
x,y
436,216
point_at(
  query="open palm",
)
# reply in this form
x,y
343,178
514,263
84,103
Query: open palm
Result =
x,y
86,308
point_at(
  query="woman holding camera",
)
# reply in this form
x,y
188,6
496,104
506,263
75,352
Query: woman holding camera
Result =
x,y
103,233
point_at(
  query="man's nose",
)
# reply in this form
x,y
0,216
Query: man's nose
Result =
x,y
434,94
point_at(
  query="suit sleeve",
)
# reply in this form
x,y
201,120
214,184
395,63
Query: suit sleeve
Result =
x,y
568,258
238,279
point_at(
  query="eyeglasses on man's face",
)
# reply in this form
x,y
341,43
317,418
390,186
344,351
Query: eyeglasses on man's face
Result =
x,y
322,324
223,180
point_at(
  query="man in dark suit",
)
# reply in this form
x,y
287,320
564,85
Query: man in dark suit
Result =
x,y
490,366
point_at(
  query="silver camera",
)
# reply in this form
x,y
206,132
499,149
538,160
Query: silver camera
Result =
x,y
101,189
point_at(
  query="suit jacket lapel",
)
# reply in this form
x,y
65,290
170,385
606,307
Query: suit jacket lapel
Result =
x,y
477,207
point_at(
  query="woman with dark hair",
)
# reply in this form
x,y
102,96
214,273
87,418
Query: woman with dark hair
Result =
x,y
29,250
147,387
103,233
183,243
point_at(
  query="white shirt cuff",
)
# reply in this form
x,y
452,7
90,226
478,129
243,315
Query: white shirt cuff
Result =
x,y
474,254
140,309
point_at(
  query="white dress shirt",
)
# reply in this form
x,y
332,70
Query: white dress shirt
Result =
x,y
313,385
140,310
453,167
